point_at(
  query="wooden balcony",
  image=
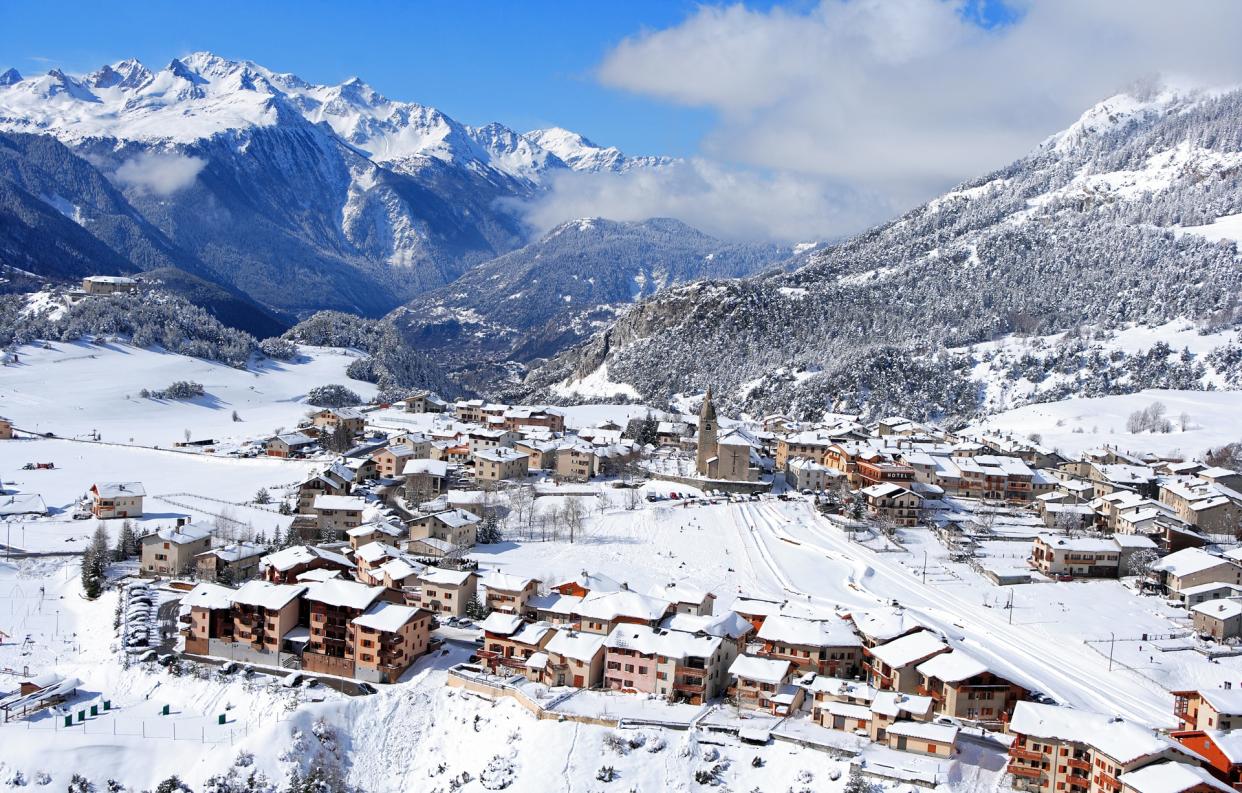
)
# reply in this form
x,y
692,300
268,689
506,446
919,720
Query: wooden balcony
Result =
x,y
1025,754
1079,765
1025,771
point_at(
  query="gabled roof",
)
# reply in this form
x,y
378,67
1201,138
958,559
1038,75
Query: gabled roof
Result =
x,y
1170,777
908,649
501,624
118,489
656,641
608,606
209,596
808,633
952,667
730,624
579,645
183,535
342,593
1119,739
288,558
506,582
763,670
348,503
267,595
1188,561
386,617
443,577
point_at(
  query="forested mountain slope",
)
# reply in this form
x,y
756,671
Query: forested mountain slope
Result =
x,y
1086,230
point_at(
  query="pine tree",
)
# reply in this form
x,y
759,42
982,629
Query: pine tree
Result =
x,y
95,563
278,540
475,609
262,497
488,531
126,542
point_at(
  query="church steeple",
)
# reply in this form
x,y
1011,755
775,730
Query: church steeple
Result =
x,y
707,435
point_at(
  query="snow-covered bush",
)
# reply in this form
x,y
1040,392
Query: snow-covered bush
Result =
x,y
278,348
181,389
332,396
498,774
606,773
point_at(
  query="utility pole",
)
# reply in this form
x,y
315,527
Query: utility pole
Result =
x,y
924,565
1112,641
1011,607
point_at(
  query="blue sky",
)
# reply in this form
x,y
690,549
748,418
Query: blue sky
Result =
x,y
524,64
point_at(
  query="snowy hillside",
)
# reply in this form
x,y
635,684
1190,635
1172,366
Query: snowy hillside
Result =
x,y
266,395
1121,220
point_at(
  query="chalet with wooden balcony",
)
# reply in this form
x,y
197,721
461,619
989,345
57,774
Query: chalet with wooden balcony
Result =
x,y
507,593
765,684
288,564
263,613
509,641
963,687
332,608
893,666
1058,749
445,592
207,613
574,658
825,647
680,667
388,638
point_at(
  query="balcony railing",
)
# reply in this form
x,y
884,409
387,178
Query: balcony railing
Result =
x,y
1025,771
1025,754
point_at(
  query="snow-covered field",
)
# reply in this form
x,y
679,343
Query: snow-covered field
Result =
x,y
166,475
74,389
1214,418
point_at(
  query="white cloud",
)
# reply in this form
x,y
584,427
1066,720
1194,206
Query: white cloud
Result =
x,y
161,174
895,100
727,202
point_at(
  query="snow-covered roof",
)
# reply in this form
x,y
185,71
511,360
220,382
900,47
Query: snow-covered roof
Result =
x,y
908,649
952,667
839,687
1188,561
1079,544
927,731
809,633
884,624
456,518
555,603
531,633
428,467
895,703
1121,740
494,580
390,529
608,606
236,551
119,280
729,624
657,641
758,606
265,594
209,596
500,454
579,645
680,593
591,582
441,577
763,670
348,503
386,617
288,558
293,438
399,569
342,593
181,535
320,574
884,490
1170,777
22,504
119,489
501,624
847,709
1140,541
1226,702
373,552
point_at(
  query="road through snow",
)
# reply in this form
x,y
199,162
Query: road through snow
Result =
x,y
813,562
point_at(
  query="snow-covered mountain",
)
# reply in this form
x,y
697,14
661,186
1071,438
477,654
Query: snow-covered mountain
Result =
x,y
268,182
1130,218
556,291
581,154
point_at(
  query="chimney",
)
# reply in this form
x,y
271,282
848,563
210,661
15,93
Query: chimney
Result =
x,y
181,522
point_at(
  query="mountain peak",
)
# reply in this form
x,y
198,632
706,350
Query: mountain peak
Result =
x,y
10,77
